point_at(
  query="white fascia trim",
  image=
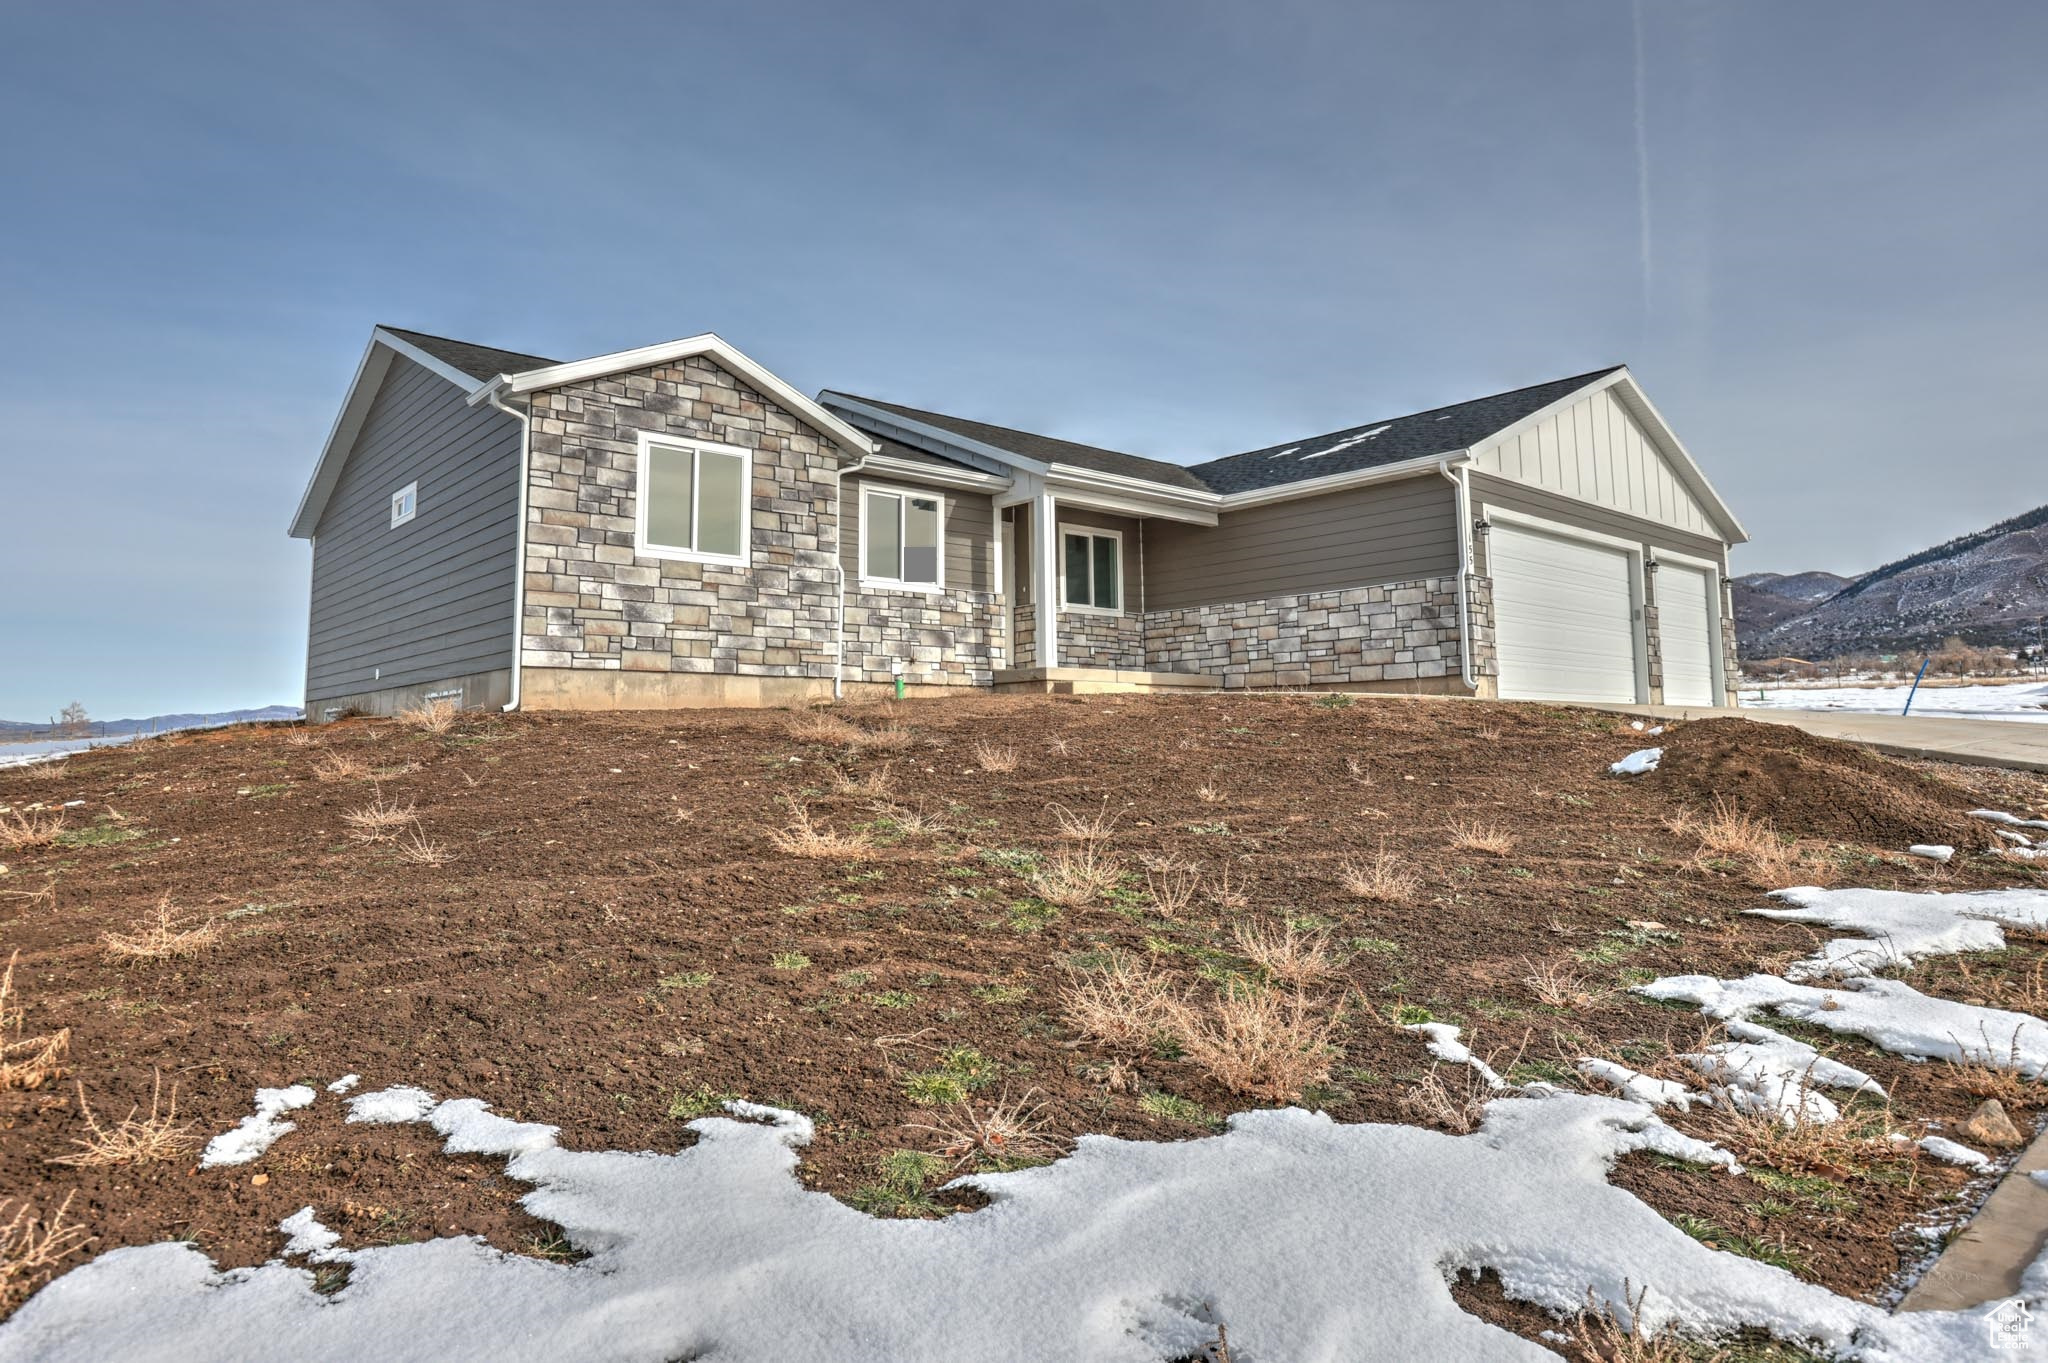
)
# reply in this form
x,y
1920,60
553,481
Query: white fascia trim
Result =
x,y
709,346
909,468
1339,482
1638,402
926,436
1074,476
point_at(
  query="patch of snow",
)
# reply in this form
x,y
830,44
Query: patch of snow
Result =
x,y
1121,1251
2010,820
1933,851
1637,763
309,1239
397,1104
1656,729
1760,1070
1902,927
1346,443
1443,1042
259,1130
345,1083
1636,724
2021,702
1954,1152
1638,1086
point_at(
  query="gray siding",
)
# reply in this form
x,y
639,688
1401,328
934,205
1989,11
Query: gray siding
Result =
x,y
1488,490
430,599
970,523
1386,532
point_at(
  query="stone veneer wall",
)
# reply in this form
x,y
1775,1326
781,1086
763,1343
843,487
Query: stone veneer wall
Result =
x,y
1401,631
592,604
942,639
1090,640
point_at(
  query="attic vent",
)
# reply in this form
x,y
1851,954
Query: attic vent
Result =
x,y
1346,443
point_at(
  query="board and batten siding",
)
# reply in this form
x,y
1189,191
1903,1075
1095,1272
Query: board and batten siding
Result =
x,y
1400,531
969,522
1595,451
431,599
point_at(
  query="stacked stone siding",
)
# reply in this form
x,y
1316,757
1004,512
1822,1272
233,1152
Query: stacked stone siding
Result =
x,y
1401,631
949,639
592,603
1090,640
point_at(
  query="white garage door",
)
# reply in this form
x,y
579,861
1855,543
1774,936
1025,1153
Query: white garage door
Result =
x,y
1564,617
1686,621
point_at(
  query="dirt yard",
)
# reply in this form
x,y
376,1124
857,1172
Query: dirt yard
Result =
x,y
613,941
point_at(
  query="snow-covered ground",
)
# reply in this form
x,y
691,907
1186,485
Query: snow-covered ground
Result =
x,y
2025,701
51,749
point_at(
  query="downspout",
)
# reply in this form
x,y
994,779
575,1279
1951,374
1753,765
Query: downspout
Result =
x,y
519,560
1463,487
839,574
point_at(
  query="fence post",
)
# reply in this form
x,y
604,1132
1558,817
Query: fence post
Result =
x,y
1916,684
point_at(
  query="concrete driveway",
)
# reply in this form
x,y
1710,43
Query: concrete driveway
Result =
x,y
1986,742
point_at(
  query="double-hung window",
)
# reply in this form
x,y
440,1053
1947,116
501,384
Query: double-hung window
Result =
x,y
1091,570
902,534
693,500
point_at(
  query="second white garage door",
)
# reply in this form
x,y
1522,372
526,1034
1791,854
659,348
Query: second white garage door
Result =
x,y
1564,617
1686,625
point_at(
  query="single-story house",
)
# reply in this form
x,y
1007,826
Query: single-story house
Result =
x,y
675,525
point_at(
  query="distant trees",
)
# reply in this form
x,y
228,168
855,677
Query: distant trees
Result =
x,y
73,722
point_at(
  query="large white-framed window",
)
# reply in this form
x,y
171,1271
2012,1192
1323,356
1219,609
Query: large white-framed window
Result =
x,y
1091,570
695,500
405,504
902,538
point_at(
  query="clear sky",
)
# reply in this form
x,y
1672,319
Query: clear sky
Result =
x,y
1818,231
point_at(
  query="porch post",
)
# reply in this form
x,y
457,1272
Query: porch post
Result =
x,y
1046,580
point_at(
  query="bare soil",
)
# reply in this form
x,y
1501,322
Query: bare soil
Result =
x,y
616,943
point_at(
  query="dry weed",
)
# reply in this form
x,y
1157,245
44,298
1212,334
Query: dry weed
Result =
x,y
380,820
1358,770
1986,1069
816,726
1056,746
1225,896
133,1140
1382,879
912,823
340,766
1268,1043
416,848
1124,1004
1559,984
1456,1104
1858,1141
875,784
301,738
26,1062
1601,1333
158,937
25,828
889,738
1073,826
1074,877
1172,886
802,838
1004,1133
994,757
30,1247
1290,957
430,717
1208,794
1479,837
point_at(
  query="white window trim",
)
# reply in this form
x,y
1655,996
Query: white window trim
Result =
x,y
409,495
1067,607
644,548
893,584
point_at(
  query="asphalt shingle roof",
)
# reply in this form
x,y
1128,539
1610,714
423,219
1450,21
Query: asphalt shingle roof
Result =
x,y
477,361
1044,448
1440,430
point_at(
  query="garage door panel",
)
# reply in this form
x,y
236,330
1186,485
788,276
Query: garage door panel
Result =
x,y
1686,625
1564,625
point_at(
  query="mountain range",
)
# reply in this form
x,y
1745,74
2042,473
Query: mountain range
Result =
x,y
156,723
1988,588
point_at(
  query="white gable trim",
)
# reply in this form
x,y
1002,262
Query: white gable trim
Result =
x,y
1637,403
707,346
933,439
355,409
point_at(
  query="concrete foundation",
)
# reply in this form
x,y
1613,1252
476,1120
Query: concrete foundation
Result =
x,y
475,691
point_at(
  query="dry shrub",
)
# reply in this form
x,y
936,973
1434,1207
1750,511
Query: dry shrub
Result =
x,y
994,757
415,847
24,828
1559,984
1268,1043
1381,879
1602,1334
134,1139
1987,1069
2027,993
26,1062
1290,957
1073,826
1003,1133
1073,877
888,738
380,820
301,738
158,937
819,727
1772,862
1208,794
1225,896
1856,1143
1457,1103
912,823
1124,1004
1479,837
1172,886
875,784
31,1247
340,766
1056,746
802,838
431,716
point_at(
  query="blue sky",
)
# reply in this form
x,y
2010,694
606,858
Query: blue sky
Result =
x,y
1179,229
